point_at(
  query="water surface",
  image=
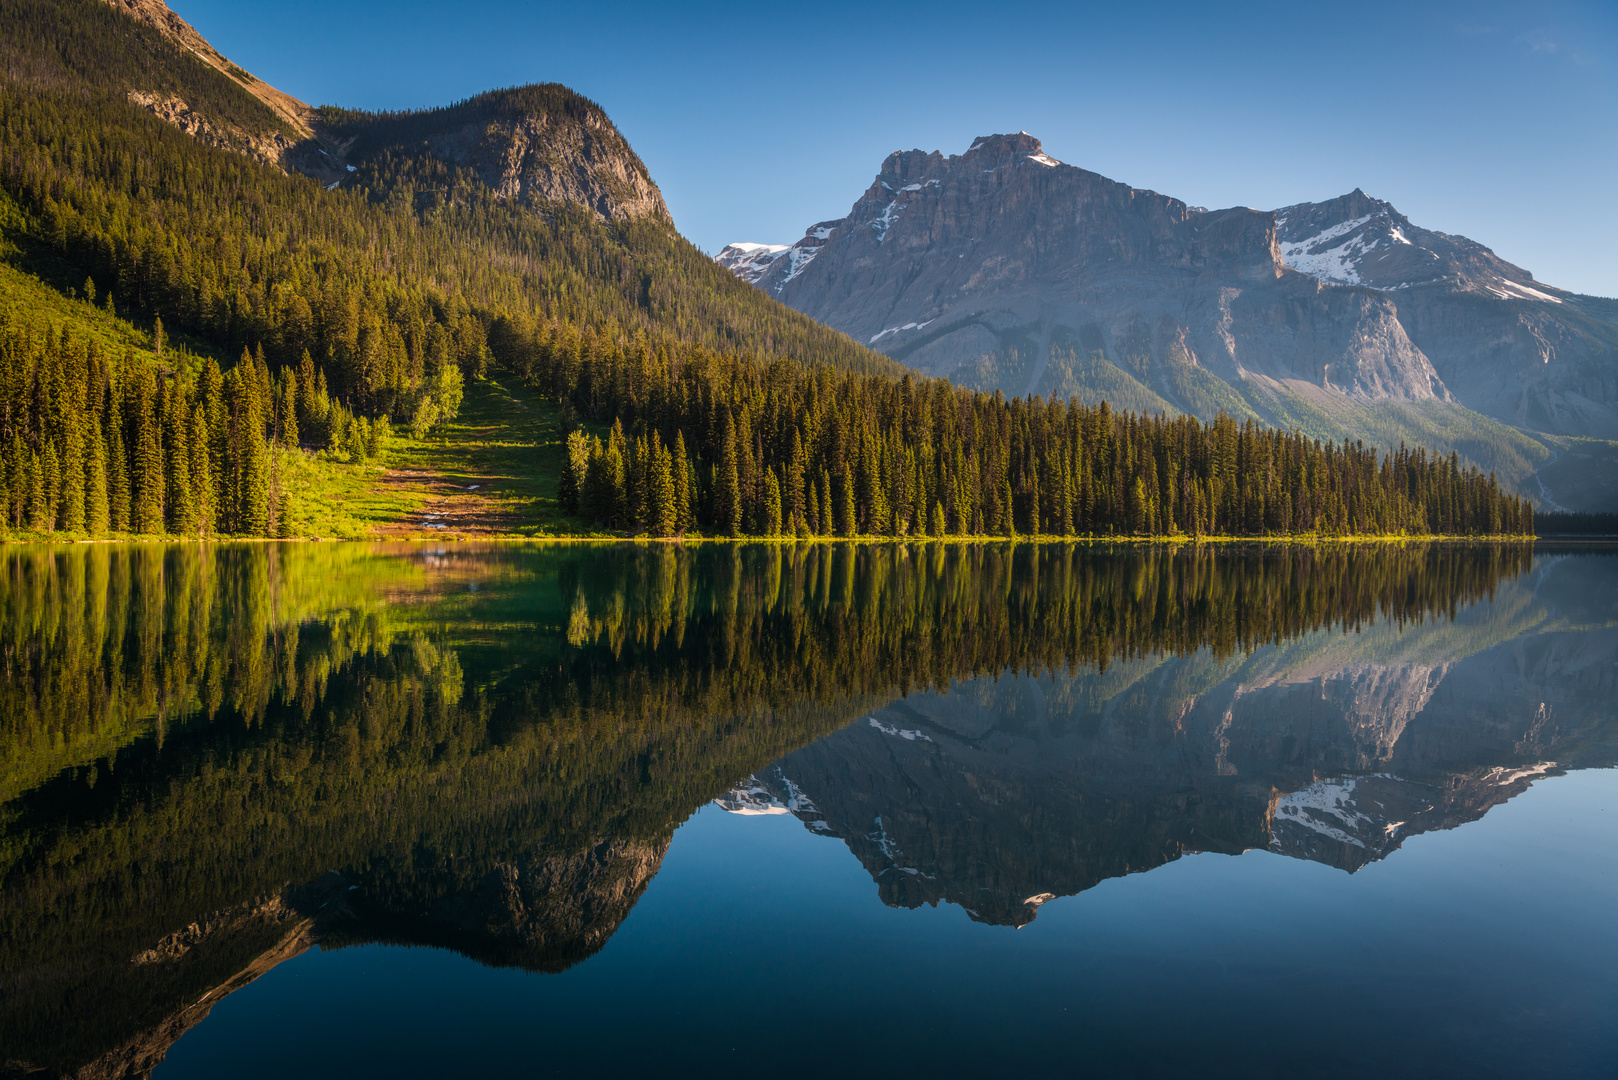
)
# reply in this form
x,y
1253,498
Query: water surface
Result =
x,y
877,810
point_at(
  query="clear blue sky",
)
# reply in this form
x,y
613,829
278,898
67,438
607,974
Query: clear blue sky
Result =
x,y
1495,120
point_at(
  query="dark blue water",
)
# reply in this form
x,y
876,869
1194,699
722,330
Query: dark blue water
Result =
x,y
1489,950
816,810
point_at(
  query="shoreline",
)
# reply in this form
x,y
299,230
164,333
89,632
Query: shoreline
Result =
x,y
1088,541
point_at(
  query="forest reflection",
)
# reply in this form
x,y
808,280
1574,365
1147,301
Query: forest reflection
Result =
x,y
216,756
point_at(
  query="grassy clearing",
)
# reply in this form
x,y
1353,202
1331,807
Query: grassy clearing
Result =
x,y
490,473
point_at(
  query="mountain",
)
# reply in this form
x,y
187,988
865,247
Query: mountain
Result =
x,y
750,261
1004,268
535,144
1505,345
524,203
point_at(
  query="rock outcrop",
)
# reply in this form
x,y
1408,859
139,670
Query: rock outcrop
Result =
x,y
530,144
533,144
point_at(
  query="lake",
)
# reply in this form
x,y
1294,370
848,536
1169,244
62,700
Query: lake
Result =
x,y
400,810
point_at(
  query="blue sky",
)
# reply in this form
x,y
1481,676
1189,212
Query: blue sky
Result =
x,y
1498,121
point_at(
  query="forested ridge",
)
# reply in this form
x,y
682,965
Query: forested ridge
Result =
x,y
712,408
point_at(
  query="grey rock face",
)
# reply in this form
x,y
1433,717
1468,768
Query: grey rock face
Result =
x,y
556,158
1006,269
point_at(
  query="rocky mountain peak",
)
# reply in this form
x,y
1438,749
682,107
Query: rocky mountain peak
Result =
x,y
1000,267
997,151
533,144
1356,239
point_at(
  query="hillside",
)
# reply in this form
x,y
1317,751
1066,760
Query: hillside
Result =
x,y
1005,269
515,236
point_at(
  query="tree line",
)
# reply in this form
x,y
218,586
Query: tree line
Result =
x,y
723,445
163,442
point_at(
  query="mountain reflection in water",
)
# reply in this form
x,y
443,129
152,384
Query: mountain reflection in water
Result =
x,y
216,756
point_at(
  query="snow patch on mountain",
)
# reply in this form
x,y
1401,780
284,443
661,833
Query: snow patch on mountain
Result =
x,y
881,224
750,261
1323,807
751,798
896,329
1319,257
898,733
1514,290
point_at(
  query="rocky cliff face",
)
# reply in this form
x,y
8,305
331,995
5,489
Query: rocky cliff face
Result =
x,y
1004,268
946,260
1506,345
533,144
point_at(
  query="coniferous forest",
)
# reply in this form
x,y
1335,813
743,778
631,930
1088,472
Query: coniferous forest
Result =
x,y
327,318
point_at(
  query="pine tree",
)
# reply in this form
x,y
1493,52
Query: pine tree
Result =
x,y
146,463
666,515
287,410
772,504
97,512
728,497
50,468
118,498
184,518
684,500
283,518
72,466
38,509
575,460
202,471
828,519
797,466
847,511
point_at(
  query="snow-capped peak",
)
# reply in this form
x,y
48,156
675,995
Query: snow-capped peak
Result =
x,y
749,261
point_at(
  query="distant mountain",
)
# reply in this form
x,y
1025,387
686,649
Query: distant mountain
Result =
x,y
750,261
1004,268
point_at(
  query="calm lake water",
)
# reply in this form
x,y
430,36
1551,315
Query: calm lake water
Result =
x,y
887,810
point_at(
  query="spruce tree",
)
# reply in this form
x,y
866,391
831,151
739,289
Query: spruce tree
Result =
x,y
202,471
38,510
847,512
146,462
72,465
183,516
728,497
684,502
97,512
50,467
287,411
118,481
666,516
772,504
